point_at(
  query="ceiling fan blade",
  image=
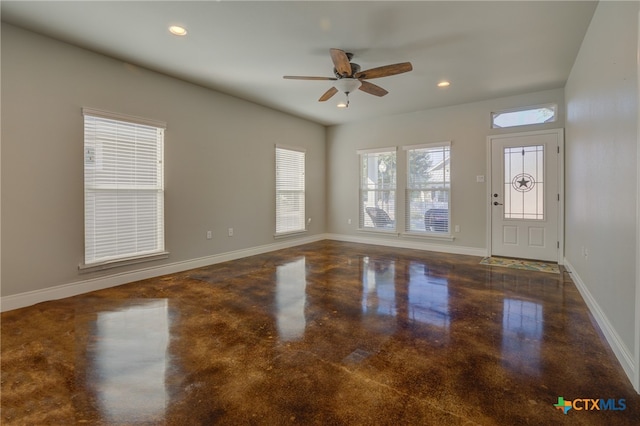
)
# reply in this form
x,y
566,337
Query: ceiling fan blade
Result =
x,y
372,89
300,77
341,62
384,71
328,94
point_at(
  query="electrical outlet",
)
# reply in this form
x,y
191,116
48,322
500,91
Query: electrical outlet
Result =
x,y
209,235
348,221
231,232
456,228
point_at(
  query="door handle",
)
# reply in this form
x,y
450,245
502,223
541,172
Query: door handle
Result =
x,y
495,203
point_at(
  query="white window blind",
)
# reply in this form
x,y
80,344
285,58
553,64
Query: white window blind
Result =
x,y
123,188
428,188
378,189
290,190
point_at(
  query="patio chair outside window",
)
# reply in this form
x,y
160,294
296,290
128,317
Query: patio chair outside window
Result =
x,y
380,218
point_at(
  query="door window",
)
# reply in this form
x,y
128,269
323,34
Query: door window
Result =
x,y
524,182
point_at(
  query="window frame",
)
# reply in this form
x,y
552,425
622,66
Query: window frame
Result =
x,y
409,189
278,192
157,234
361,204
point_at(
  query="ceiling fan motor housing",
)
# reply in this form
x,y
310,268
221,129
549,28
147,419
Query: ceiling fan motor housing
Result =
x,y
355,68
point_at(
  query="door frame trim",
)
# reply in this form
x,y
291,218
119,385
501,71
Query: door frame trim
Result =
x,y
560,133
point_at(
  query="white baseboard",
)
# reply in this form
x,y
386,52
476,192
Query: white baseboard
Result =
x,y
29,298
623,354
409,244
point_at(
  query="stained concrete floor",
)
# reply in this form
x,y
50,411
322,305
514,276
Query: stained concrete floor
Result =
x,y
327,333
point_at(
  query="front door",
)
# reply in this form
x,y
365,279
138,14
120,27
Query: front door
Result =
x,y
525,195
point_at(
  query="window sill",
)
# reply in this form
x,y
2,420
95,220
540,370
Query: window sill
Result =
x,y
424,235
379,231
289,234
93,267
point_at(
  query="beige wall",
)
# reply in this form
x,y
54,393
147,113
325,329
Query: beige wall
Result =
x,y
601,173
209,137
219,160
466,126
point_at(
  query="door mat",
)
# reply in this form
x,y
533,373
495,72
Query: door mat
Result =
x,y
529,265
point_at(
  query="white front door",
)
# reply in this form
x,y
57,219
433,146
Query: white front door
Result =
x,y
525,195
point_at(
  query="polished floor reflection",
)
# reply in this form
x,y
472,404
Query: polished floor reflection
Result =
x,y
325,333
129,362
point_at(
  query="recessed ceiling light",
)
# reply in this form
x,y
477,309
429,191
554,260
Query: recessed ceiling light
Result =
x,y
444,84
177,30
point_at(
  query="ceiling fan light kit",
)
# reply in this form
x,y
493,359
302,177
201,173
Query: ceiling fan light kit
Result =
x,y
348,76
348,85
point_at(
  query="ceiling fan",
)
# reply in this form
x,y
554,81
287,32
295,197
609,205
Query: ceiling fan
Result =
x,y
348,76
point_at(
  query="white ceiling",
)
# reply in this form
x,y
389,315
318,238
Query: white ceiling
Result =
x,y
486,49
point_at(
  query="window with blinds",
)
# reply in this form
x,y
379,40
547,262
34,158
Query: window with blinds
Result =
x,y
428,188
123,187
378,189
290,190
